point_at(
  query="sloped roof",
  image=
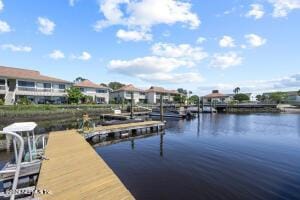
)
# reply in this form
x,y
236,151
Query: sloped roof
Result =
x,y
215,95
161,90
130,88
11,72
89,84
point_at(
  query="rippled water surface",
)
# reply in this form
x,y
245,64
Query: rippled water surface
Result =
x,y
214,157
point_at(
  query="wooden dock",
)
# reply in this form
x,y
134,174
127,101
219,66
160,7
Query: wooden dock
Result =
x,y
130,128
75,171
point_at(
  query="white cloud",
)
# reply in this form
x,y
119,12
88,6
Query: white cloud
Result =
x,y
225,60
133,35
257,11
146,65
283,7
226,41
290,82
1,5
4,27
182,51
16,48
153,68
200,40
46,26
84,56
57,54
175,78
255,40
143,14
72,2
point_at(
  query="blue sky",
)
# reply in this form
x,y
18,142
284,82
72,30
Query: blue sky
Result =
x,y
197,44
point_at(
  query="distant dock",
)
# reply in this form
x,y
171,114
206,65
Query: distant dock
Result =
x,y
129,129
75,171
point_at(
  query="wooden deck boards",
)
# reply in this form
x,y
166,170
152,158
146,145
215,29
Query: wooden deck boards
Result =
x,y
75,171
129,125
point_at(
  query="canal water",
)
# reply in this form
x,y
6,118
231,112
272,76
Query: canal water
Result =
x,y
217,157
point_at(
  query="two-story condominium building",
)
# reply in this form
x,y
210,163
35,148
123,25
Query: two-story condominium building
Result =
x,y
124,94
16,83
99,93
153,95
217,97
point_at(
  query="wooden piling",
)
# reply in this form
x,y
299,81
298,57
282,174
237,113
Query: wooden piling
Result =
x,y
161,108
131,107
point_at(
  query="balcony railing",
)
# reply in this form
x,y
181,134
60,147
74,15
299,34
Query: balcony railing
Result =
x,y
32,89
2,87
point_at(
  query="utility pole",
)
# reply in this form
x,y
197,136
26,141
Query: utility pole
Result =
x,y
198,105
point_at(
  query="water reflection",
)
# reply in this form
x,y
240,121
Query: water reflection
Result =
x,y
213,157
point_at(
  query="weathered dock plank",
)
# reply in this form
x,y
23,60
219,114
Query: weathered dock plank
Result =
x,y
123,127
75,171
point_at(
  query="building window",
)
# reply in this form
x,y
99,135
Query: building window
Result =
x,y
2,82
47,85
26,84
101,91
82,89
62,86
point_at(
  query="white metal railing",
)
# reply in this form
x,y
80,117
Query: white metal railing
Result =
x,y
2,87
18,160
33,89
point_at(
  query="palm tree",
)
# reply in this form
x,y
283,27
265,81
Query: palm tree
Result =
x,y
236,90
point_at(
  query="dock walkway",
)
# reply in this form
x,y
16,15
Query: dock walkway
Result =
x,y
75,171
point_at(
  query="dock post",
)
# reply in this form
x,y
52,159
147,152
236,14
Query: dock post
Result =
x,y
131,107
161,108
202,103
211,108
198,106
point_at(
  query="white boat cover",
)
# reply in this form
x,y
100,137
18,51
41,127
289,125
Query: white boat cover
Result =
x,y
20,127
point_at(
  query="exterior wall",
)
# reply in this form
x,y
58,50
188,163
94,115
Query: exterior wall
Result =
x,y
124,95
151,97
218,100
97,97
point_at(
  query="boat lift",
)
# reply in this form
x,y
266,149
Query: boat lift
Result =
x,y
19,155
32,159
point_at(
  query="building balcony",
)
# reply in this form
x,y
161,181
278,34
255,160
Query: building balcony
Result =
x,y
3,89
32,91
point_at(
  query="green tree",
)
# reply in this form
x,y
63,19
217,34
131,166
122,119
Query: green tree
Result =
x,y
194,99
298,92
24,101
87,99
79,79
241,97
182,91
179,98
1,102
115,85
236,90
74,95
278,97
259,97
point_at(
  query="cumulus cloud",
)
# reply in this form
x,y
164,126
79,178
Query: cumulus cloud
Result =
x,y
56,55
83,56
175,78
16,48
225,60
290,82
1,5
146,65
169,63
143,14
255,40
226,41
46,26
257,11
283,7
4,27
72,2
133,35
183,51
200,40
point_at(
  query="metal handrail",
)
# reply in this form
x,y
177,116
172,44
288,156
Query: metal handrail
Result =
x,y
18,161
